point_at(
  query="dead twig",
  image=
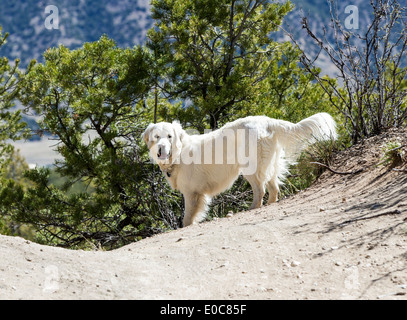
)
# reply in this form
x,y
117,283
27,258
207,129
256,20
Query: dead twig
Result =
x,y
397,148
338,172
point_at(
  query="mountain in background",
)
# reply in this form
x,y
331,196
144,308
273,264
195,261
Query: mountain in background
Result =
x,y
125,21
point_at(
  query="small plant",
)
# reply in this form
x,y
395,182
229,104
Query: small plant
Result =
x,y
392,154
306,171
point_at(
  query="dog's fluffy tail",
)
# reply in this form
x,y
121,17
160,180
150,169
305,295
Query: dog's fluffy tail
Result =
x,y
293,138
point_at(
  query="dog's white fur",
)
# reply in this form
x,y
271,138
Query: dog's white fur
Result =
x,y
278,144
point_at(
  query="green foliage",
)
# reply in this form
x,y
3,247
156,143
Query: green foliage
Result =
x,y
289,92
11,126
14,170
221,60
92,101
306,171
61,182
216,53
393,154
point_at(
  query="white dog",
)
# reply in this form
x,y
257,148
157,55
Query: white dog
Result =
x,y
258,147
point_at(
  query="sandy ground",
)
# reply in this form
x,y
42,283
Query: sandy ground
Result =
x,y
343,238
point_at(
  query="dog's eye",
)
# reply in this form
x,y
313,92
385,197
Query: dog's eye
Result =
x,y
157,136
169,136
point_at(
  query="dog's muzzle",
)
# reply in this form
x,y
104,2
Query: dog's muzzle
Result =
x,y
162,154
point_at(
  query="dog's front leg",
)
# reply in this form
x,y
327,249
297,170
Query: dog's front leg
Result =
x,y
195,208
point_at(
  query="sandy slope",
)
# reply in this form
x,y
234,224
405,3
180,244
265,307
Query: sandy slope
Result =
x,y
343,238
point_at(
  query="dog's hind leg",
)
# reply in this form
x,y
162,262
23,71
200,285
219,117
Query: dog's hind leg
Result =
x,y
276,170
273,189
195,208
258,191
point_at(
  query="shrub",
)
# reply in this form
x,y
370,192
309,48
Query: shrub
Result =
x,y
92,101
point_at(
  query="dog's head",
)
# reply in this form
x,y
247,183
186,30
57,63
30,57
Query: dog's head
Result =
x,y
164,140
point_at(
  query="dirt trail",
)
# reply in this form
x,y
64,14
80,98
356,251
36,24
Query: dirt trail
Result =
x,y
343,238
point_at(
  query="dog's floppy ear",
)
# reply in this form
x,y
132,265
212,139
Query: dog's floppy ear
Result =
x,y
146,134
178,135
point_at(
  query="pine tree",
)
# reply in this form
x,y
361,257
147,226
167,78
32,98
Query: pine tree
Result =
x,y
92,102
11,126
217,53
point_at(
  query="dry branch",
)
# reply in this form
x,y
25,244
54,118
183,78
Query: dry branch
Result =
x,y
338,172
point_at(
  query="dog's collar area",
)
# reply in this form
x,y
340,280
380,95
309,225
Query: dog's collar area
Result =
x,y
168,171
